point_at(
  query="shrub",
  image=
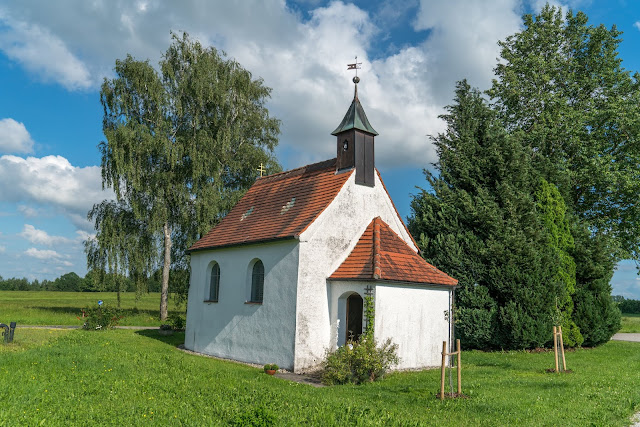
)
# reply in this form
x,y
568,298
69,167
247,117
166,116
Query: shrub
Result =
x,y
101,317
271,367
359,361
176,321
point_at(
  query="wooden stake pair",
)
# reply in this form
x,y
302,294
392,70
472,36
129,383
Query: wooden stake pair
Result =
x,y
557,332
444,363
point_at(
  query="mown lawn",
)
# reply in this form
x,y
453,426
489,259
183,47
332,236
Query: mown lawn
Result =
x,y
64,308
123,377
630,323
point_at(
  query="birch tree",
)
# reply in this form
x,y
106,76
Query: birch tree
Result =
x,y
182,145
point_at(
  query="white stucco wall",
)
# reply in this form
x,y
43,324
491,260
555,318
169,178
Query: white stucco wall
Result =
x,y
323,247
256,333
414,318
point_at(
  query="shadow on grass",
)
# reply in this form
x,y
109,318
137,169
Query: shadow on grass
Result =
x,y
173,340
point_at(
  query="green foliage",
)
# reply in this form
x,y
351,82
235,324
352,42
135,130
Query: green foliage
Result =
x,y
561,86
125,377
182,146
369,313
553,212
359,361
562,131
101,317
260,416
271,367
480,225
176,321
627,306
595,313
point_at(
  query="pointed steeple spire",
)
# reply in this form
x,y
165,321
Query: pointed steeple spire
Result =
x,y
355,139
355,117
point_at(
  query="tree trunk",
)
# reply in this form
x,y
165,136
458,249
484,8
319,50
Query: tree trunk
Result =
x,y
164,295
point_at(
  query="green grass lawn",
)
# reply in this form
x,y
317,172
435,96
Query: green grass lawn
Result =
x,y
64,308
630,323
123,377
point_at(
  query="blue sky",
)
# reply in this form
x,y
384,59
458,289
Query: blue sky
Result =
x,y
54,56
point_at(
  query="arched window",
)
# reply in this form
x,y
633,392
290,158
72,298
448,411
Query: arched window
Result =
x,y
257,282
214,283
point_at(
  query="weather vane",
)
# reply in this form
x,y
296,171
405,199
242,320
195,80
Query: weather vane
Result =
x,y
355,66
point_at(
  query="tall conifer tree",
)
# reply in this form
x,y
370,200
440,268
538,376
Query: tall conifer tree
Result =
x,y
480,225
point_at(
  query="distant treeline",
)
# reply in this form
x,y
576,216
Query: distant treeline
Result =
x,y
71,282
629,306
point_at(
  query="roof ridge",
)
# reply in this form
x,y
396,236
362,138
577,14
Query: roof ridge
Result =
x,y
313,167
377,272
380,246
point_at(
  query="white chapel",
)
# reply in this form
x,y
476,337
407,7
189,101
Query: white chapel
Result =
x,y
281,279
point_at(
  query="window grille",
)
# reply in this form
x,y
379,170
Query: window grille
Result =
x,y
257,282
214,286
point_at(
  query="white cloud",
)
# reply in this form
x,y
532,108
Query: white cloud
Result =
x,y
41,237
14,137
43,53
27,211
82,235
464,45
43,254
303,58
53,182
637,24
3,249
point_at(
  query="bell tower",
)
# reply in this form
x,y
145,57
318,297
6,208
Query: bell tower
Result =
x,y
355,138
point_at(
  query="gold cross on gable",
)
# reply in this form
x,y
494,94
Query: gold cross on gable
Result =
x,y
261,169
355,66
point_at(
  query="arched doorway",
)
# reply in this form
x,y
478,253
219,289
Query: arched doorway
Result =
x,y
354,317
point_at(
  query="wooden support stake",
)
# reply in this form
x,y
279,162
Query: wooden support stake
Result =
x,y
564,362
444,361
459,367
555,346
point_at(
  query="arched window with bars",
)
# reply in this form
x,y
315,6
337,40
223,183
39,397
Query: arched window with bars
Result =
x,y
214,283
257,282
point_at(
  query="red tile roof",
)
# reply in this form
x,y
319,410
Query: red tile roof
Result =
x,y
278,206
381,254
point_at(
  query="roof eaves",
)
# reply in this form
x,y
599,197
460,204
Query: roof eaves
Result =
x,y
394,282
250,242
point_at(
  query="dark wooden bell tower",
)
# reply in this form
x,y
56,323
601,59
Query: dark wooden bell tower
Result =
x,y
355,143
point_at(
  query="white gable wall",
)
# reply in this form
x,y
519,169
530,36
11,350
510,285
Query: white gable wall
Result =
x,y
414,318
257,333
323,246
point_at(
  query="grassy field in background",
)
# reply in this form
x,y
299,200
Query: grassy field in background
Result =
x,y
64,308
124,377
630,323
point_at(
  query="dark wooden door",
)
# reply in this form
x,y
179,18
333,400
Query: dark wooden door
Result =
x,y
354,317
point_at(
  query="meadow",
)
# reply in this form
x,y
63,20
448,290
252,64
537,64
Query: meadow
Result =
x,y
64,308
630,323
125,377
